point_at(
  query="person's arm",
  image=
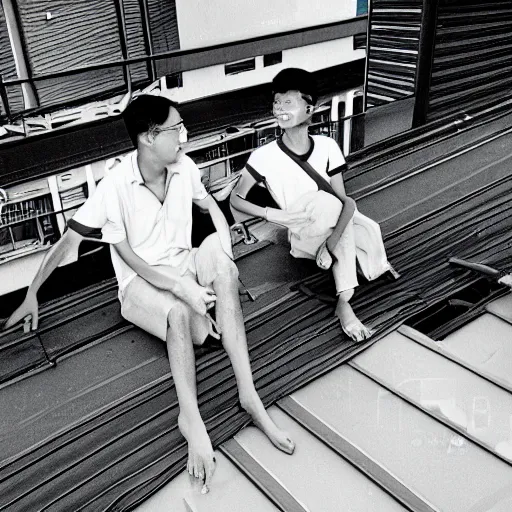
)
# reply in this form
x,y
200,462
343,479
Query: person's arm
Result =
x,y
274,215
86,224
164,277
219,221
239,193
65,247
349,207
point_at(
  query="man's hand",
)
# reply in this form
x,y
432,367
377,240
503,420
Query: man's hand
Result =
x,y
324,259
286,219
29,308
506,280
199,298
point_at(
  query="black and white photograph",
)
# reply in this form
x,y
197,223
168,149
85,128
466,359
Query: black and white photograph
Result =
x,y
255,256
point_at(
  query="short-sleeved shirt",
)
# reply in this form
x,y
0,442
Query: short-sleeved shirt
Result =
x,y
122,207
286,179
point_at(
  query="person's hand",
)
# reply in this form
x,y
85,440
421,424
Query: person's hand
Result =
x,y
200,298
287,219
28,309
506,280
323,257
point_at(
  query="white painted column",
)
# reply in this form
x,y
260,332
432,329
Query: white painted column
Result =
x,y
347,128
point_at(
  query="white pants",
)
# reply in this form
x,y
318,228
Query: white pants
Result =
x,y
361,240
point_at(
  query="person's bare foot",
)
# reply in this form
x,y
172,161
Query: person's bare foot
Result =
x,y
279,438
350,324
201,461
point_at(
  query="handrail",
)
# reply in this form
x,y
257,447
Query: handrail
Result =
x,y
165,55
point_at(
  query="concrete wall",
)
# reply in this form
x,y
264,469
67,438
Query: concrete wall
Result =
x,y
213,80
208,22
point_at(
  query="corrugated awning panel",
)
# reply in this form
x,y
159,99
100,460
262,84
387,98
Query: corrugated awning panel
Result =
x,y
394,29
472,55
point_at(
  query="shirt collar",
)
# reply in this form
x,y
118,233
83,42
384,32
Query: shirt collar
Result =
x,y
136,177
292,155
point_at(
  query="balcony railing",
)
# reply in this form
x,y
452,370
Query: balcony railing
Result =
x,y
175,61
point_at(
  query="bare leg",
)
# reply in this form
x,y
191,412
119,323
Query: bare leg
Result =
x,y
182,359
350,324
229,316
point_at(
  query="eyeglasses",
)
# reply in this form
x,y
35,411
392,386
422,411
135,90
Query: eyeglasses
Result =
x,y
178,126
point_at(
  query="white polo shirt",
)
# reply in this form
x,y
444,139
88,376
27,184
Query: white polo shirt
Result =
x,y
123,207
287,180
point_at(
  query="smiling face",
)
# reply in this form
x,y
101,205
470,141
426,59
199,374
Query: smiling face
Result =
x,y
291,109
167,138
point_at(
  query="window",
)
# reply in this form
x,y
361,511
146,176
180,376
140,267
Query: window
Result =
x,y
362,7
359,41
26,225
174,80
240,66
272,59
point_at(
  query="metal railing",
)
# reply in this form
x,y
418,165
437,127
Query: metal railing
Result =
x,y
183,59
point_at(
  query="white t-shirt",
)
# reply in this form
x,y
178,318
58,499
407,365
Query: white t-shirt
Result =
x,y
286,179
123,207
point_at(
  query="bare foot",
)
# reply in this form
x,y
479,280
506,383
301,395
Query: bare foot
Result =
x,y
350,324
201,462
279,438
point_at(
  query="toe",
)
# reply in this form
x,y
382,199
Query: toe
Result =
x,y
196,467
367,334
360,336
291,446
209,470
357,333
200,470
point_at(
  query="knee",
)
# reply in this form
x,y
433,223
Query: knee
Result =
x,y
178,316
199,342
224,265
346,295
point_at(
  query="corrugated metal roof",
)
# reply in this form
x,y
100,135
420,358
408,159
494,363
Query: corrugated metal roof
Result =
x,y
404,426
97,430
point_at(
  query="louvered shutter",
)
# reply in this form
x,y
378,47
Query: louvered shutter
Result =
x,y
394,33
472,62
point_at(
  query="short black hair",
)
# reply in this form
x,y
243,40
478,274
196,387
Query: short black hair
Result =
x,y
296,79
145,113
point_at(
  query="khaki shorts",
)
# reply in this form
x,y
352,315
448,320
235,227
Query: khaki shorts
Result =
x,y
148,307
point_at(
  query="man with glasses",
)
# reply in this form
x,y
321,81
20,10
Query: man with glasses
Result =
x,y
143,209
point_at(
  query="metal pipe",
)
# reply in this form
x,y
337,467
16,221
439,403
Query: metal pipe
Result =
x,y
367,61
148,43
18,51
425,61
123,42
5,99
